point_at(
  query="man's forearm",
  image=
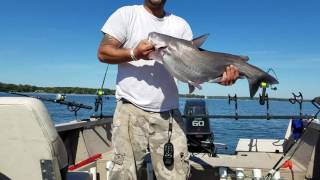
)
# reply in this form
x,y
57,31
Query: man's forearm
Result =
x,y
113,55
110,51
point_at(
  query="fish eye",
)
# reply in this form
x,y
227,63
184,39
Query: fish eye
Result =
x,y
162,47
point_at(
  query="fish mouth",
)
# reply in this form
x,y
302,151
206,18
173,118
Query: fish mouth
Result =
x,y
158,45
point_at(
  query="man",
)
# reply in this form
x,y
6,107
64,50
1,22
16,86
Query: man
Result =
x,y
147,94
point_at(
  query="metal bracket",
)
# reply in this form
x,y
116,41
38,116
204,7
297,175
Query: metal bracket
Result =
x,y
47,169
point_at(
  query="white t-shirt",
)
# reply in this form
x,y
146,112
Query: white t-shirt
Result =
x,y
145,83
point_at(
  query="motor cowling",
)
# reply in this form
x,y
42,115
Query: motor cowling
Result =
x,y
197,127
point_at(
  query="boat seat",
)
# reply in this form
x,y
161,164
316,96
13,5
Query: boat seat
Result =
x,y
30,147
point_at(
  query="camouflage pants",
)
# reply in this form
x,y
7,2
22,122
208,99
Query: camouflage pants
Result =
x,y
134,131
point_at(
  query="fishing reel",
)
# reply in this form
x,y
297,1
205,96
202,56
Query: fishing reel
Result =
x,y
264,85
264,96
98,101
60,97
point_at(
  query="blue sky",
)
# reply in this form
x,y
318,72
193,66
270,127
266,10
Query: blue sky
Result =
x,y
54,43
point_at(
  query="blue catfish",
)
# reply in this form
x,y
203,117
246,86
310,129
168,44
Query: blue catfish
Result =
x,y
187,62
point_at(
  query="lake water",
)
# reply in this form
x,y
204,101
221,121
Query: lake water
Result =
x,y
225,131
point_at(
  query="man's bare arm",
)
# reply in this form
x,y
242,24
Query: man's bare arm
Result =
x,y
110,50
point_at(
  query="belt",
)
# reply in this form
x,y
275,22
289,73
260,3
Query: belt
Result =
x,y
125,101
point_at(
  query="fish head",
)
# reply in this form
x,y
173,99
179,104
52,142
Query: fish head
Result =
x,y
160,41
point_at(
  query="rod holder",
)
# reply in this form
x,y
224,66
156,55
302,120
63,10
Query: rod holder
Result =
x,y
266,102
99,101
235,99
263,97
316,103
268,106
297,99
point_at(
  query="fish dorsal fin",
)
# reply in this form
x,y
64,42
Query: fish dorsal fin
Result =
x,y
198,41
244,58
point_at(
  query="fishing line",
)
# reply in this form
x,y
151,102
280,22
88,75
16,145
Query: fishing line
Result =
x,y
104,78
274,73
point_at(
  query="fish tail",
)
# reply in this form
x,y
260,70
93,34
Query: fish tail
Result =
x,y
255,81
255,77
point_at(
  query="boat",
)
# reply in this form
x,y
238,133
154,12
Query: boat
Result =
x,y
32,147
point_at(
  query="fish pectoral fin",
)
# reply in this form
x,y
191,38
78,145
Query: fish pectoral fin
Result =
x,y
216,80
245,58
192,86
156,55
198,41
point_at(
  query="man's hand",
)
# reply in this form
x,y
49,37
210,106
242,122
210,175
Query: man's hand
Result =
x,y
143,49
230,75
111,50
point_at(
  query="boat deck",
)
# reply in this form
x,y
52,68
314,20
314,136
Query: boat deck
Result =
x,y
206,167
250,154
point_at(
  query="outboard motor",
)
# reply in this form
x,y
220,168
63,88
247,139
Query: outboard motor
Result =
x,y
199,135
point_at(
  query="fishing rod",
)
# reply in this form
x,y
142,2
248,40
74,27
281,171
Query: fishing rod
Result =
x,y
60,99
100,92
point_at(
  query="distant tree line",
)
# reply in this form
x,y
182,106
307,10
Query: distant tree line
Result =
x,y
79,90
4,87
191,96
63,90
